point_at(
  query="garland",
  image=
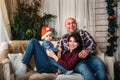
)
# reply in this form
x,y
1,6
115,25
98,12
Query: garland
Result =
x,y
112,26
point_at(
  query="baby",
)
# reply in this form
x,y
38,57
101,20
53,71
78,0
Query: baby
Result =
x,y
47,37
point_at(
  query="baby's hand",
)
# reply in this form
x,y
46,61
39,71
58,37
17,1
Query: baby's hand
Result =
x,y
60,49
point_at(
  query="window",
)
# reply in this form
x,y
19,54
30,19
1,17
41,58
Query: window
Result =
x,y
82,10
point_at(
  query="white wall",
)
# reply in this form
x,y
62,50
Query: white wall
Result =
x,y
118,32
101,24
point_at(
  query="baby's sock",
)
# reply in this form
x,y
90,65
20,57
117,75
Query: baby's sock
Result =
x,y
69,72
22,70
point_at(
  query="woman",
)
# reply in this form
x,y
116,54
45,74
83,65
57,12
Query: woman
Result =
x,y
43,64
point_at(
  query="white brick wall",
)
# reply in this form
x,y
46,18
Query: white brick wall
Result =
x,y
101,24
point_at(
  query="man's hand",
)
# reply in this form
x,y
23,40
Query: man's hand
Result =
x,y
83,54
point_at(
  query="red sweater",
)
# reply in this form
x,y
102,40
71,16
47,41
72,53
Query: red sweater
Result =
x,y
69,60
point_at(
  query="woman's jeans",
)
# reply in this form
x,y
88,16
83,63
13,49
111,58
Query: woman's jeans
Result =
x,y
64,71
42,61
91,68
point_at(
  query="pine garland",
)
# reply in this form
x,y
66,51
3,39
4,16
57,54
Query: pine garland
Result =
x,y
112,27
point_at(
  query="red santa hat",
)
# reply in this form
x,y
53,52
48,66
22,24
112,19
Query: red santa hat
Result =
x,y
45,31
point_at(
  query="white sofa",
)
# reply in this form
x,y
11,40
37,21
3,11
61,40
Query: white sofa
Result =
x,y
20,46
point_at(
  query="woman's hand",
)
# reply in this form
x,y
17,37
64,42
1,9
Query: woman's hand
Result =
x,y
83,54
51,54
59,52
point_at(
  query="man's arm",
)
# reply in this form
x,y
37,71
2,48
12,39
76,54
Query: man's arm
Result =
x,y
88,42
59,43
63,43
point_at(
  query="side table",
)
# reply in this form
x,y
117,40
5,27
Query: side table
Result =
x,y
117,70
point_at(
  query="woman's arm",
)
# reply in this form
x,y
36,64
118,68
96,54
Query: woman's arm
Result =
x,y
59,53
51,54
69,60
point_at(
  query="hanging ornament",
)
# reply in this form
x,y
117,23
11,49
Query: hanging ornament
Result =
x,y
111,17
112,26
111,35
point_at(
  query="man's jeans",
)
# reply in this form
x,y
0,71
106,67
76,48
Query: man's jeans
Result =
x,y
91,68
42,61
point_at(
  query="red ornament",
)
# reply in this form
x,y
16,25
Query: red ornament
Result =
x,y
111,17
111,35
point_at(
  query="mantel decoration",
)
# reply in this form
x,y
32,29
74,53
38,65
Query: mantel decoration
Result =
x,y
27,20
112,27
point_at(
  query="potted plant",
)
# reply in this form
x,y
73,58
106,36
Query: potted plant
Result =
x,y
26,22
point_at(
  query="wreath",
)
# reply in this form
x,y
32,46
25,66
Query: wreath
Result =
x,y
112,27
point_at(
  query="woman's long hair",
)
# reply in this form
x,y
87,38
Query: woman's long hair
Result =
x,y
78,39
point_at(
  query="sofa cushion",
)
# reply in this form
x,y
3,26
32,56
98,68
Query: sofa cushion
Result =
x,y
43,76
15,60
73,76
25,76
17,46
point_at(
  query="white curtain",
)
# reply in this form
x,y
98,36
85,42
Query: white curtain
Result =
x,y
5,33
90,14
82,10
52,7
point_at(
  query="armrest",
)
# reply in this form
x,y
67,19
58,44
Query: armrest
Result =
x,y
100,54
3,50
1,72
5,70
109,62
4,61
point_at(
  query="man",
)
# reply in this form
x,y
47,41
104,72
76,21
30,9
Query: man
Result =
x,y
90,66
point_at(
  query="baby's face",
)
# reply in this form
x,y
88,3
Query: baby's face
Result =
x,y
49,37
